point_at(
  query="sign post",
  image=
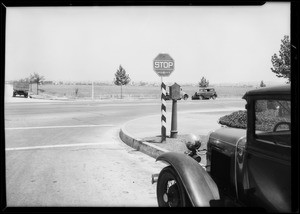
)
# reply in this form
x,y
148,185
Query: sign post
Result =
x,y
163,65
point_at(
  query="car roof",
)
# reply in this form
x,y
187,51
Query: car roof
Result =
x,y
274,90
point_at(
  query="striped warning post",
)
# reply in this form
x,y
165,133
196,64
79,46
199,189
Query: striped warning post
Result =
x,y
163,112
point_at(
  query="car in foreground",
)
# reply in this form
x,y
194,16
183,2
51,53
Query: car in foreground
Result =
x,y
205,93
244,167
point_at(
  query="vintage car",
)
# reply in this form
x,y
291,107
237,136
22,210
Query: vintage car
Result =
x,y
244,167
205,93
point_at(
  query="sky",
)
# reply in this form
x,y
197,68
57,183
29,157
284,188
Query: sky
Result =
x,y
229,44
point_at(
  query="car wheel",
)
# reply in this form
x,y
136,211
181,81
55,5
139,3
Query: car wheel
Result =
x,y
170,190
201,97
185,97
213,97
14,94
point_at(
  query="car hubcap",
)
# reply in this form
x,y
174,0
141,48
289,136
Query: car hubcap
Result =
x,y
173,196
165,197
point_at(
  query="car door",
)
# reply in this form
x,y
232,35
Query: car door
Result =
x,y
206,93
267,161
201,92
210,93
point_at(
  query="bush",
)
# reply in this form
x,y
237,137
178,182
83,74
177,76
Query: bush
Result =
x,y
261,106
265,121
236,119
268,119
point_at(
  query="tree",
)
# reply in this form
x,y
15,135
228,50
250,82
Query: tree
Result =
x,y
262,84
282,64
203,83
38,79
121,78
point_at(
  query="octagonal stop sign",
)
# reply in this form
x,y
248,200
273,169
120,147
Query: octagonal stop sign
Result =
x,y
163,65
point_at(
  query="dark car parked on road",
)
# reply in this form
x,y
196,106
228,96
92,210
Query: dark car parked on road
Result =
x,y
244,167
205,93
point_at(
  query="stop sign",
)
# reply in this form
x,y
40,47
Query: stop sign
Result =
x,y
163,65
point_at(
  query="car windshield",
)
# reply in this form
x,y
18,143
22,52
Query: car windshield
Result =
x,y
273,121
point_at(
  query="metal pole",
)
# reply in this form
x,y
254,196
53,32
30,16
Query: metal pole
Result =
x,y
163,111
174,120
92,90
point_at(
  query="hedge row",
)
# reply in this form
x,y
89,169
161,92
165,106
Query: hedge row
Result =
x,y
266,120
236,119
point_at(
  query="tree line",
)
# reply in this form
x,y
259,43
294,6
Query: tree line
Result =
x,y
281,67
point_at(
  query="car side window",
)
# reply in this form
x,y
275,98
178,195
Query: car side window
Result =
x,y
273,121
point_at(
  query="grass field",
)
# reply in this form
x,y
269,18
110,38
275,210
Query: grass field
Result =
x,y
142,92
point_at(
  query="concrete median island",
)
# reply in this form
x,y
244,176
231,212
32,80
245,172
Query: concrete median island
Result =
x,y
143,134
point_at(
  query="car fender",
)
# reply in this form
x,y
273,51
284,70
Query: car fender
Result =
x,y
200,187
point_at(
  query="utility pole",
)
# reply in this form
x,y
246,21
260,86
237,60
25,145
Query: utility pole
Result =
x,y
92,90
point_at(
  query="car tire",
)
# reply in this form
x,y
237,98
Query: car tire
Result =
x,y
185,97
201,97
170,190
213,97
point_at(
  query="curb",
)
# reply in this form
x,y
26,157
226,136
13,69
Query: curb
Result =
x,y
148,148
49,98
139,145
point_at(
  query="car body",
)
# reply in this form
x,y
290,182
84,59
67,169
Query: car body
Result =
x,y
205,93
183,95
244,167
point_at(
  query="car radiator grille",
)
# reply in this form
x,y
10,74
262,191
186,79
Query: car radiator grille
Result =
x,y
220,169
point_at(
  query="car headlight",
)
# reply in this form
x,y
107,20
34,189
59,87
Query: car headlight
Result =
x,y
192,142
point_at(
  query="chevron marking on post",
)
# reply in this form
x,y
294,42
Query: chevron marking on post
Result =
x,y
163,112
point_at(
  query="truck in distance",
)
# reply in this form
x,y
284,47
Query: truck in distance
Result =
x,y
20,88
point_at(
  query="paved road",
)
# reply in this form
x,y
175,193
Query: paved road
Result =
x,y
69,153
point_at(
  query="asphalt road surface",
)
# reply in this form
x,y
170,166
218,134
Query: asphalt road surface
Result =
x,y
69,153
